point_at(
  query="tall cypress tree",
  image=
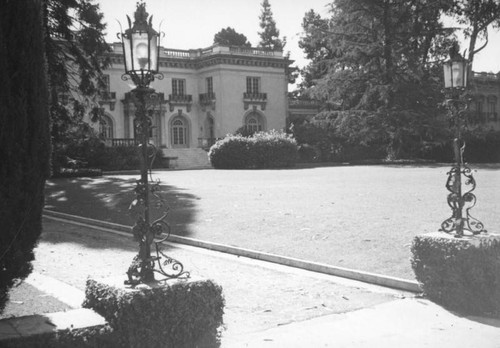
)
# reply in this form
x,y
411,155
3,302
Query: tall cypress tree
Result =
x,y
24,137
269,36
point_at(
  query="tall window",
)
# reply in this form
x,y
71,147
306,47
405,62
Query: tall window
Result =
x,y
479,110
179,133
210,85
492,105
178,87
253,85
106,127
106,83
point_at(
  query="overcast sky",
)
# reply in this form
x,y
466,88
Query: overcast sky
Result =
x,y
193,23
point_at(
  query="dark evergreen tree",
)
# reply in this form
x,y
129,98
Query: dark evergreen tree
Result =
x,y
24,137
229,37
269,36
376,60
77,55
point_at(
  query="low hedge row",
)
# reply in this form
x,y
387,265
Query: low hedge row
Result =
x,y
77,172
182,315
261,150
458,274
96,155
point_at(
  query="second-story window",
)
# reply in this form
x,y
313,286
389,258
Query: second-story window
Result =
x,y
210,85
178,87
253,85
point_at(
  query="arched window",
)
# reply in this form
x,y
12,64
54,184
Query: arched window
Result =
x,y
106,127
254,123
179,132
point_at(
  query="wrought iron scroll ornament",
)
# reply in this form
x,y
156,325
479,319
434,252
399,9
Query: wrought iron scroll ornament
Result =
x,y
460,199
147,191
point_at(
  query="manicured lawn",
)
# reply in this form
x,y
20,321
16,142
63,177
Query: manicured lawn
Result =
x,y
361,217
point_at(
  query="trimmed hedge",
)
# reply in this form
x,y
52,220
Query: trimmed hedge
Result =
x,y
458,274
182,315
77,172
261,150
95,154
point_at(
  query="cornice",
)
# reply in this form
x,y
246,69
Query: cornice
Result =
x,y
212,60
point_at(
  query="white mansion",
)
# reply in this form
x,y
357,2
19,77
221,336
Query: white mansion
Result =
x,y
204,95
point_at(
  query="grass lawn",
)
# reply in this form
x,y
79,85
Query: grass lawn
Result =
x,y
360,217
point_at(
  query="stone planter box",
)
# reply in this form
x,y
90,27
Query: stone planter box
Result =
x,y
462,274
178,313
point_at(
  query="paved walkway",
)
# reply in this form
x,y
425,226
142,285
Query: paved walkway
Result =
x,y
267,305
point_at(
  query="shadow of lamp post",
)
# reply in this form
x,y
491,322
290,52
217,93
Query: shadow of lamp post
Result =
x,y
460,199
141,47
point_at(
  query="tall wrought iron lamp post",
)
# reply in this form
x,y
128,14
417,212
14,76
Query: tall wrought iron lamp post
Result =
x,y
460,199
141,48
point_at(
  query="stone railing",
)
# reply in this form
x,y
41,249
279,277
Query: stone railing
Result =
x,y
259,97
122,142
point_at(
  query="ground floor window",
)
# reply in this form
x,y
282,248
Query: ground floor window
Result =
x,y
106,127
254,122
179,132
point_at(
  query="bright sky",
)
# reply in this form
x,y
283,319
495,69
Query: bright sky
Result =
x,y
191,24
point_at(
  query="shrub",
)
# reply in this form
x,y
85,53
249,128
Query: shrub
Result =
x,y
95,154
460,276
262,150
184,314
77,172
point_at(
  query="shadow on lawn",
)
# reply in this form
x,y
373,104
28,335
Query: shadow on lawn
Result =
x,y
108,199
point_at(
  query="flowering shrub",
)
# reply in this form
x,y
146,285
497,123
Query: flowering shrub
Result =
x,y
262,150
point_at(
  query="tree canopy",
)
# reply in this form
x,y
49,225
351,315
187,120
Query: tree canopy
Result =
x,y
377,57
76,54
24,138
269,36
229,37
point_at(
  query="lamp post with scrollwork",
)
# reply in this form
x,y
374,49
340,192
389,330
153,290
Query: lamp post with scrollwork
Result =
x,y
141,48
460,199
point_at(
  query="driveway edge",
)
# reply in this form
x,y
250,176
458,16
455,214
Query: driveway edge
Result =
x,y
367,277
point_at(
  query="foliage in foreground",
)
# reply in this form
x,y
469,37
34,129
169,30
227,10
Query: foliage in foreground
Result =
x,y
260,150
24,138
182,315
458,275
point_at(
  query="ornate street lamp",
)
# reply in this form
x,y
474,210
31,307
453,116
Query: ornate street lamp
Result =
x,y
460,199
141,47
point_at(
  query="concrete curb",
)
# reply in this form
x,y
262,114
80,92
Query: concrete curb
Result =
x,y
367,277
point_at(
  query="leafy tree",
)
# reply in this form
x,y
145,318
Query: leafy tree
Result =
x,y
76,54
378,56
24,138
269,36
229,37
477,16
314,43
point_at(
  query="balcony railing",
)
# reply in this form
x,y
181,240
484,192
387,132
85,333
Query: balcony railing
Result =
x,y
259,97
106,97
255,99
207,100
180,99
303,104
122,142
